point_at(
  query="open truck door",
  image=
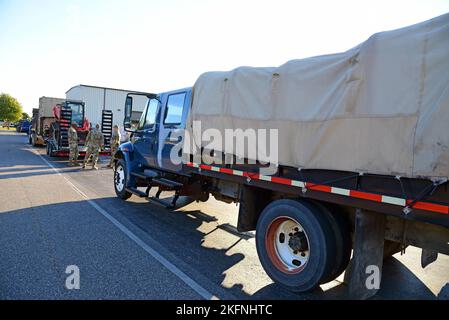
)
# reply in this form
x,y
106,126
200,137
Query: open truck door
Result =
x,y
160,131
145,133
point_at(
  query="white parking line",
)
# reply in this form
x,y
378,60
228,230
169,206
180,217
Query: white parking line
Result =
x,y
167,264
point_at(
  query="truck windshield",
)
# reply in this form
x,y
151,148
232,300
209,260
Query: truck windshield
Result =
x,y
77,113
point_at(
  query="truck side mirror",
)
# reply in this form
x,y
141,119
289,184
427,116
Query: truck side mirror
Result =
x,y
128,112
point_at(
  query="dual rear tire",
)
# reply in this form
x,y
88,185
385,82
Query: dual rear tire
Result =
x,y
302,244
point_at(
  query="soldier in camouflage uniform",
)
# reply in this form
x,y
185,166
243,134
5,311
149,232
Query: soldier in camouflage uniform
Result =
x,y
115,143
73,145
94,142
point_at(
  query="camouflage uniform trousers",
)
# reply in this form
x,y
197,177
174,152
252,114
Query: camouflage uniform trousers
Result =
x,y
74,152
114,149
94,152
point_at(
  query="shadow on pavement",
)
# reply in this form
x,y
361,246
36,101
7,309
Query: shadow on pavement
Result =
x,y
26,166
19,173
177,235
444,293
20,169
175,228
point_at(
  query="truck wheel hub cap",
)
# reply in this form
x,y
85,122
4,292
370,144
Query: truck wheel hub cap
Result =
x,y
119,178
298,242
287,245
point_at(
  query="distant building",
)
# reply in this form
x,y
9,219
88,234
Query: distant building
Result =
x,y
101,98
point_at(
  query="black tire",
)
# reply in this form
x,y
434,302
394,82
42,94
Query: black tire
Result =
x,y
321,244
342,232
122,194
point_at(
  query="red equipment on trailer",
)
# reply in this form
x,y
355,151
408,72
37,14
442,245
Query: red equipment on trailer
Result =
x,y
65,114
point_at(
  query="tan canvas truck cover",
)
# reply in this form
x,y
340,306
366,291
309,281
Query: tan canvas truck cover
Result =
x,y
381,107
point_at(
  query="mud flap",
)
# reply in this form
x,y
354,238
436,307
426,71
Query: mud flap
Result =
x,y
428,257
364,272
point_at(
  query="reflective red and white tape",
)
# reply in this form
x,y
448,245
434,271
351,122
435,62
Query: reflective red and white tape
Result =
x,y
420,205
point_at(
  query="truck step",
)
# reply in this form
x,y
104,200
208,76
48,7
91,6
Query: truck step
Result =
x,y
137,192
150,173
164,203
167,183
139,175
160,202
147,174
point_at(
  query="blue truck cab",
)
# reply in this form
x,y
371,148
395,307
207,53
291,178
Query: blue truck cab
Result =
x,y
145,160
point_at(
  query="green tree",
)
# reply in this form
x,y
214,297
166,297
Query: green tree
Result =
x,y
25,116
10,108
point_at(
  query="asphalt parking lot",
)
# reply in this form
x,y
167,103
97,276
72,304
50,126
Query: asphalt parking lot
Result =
x,y
53,216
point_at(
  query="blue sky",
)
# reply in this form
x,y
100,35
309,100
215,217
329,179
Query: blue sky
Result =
x,y
49,46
